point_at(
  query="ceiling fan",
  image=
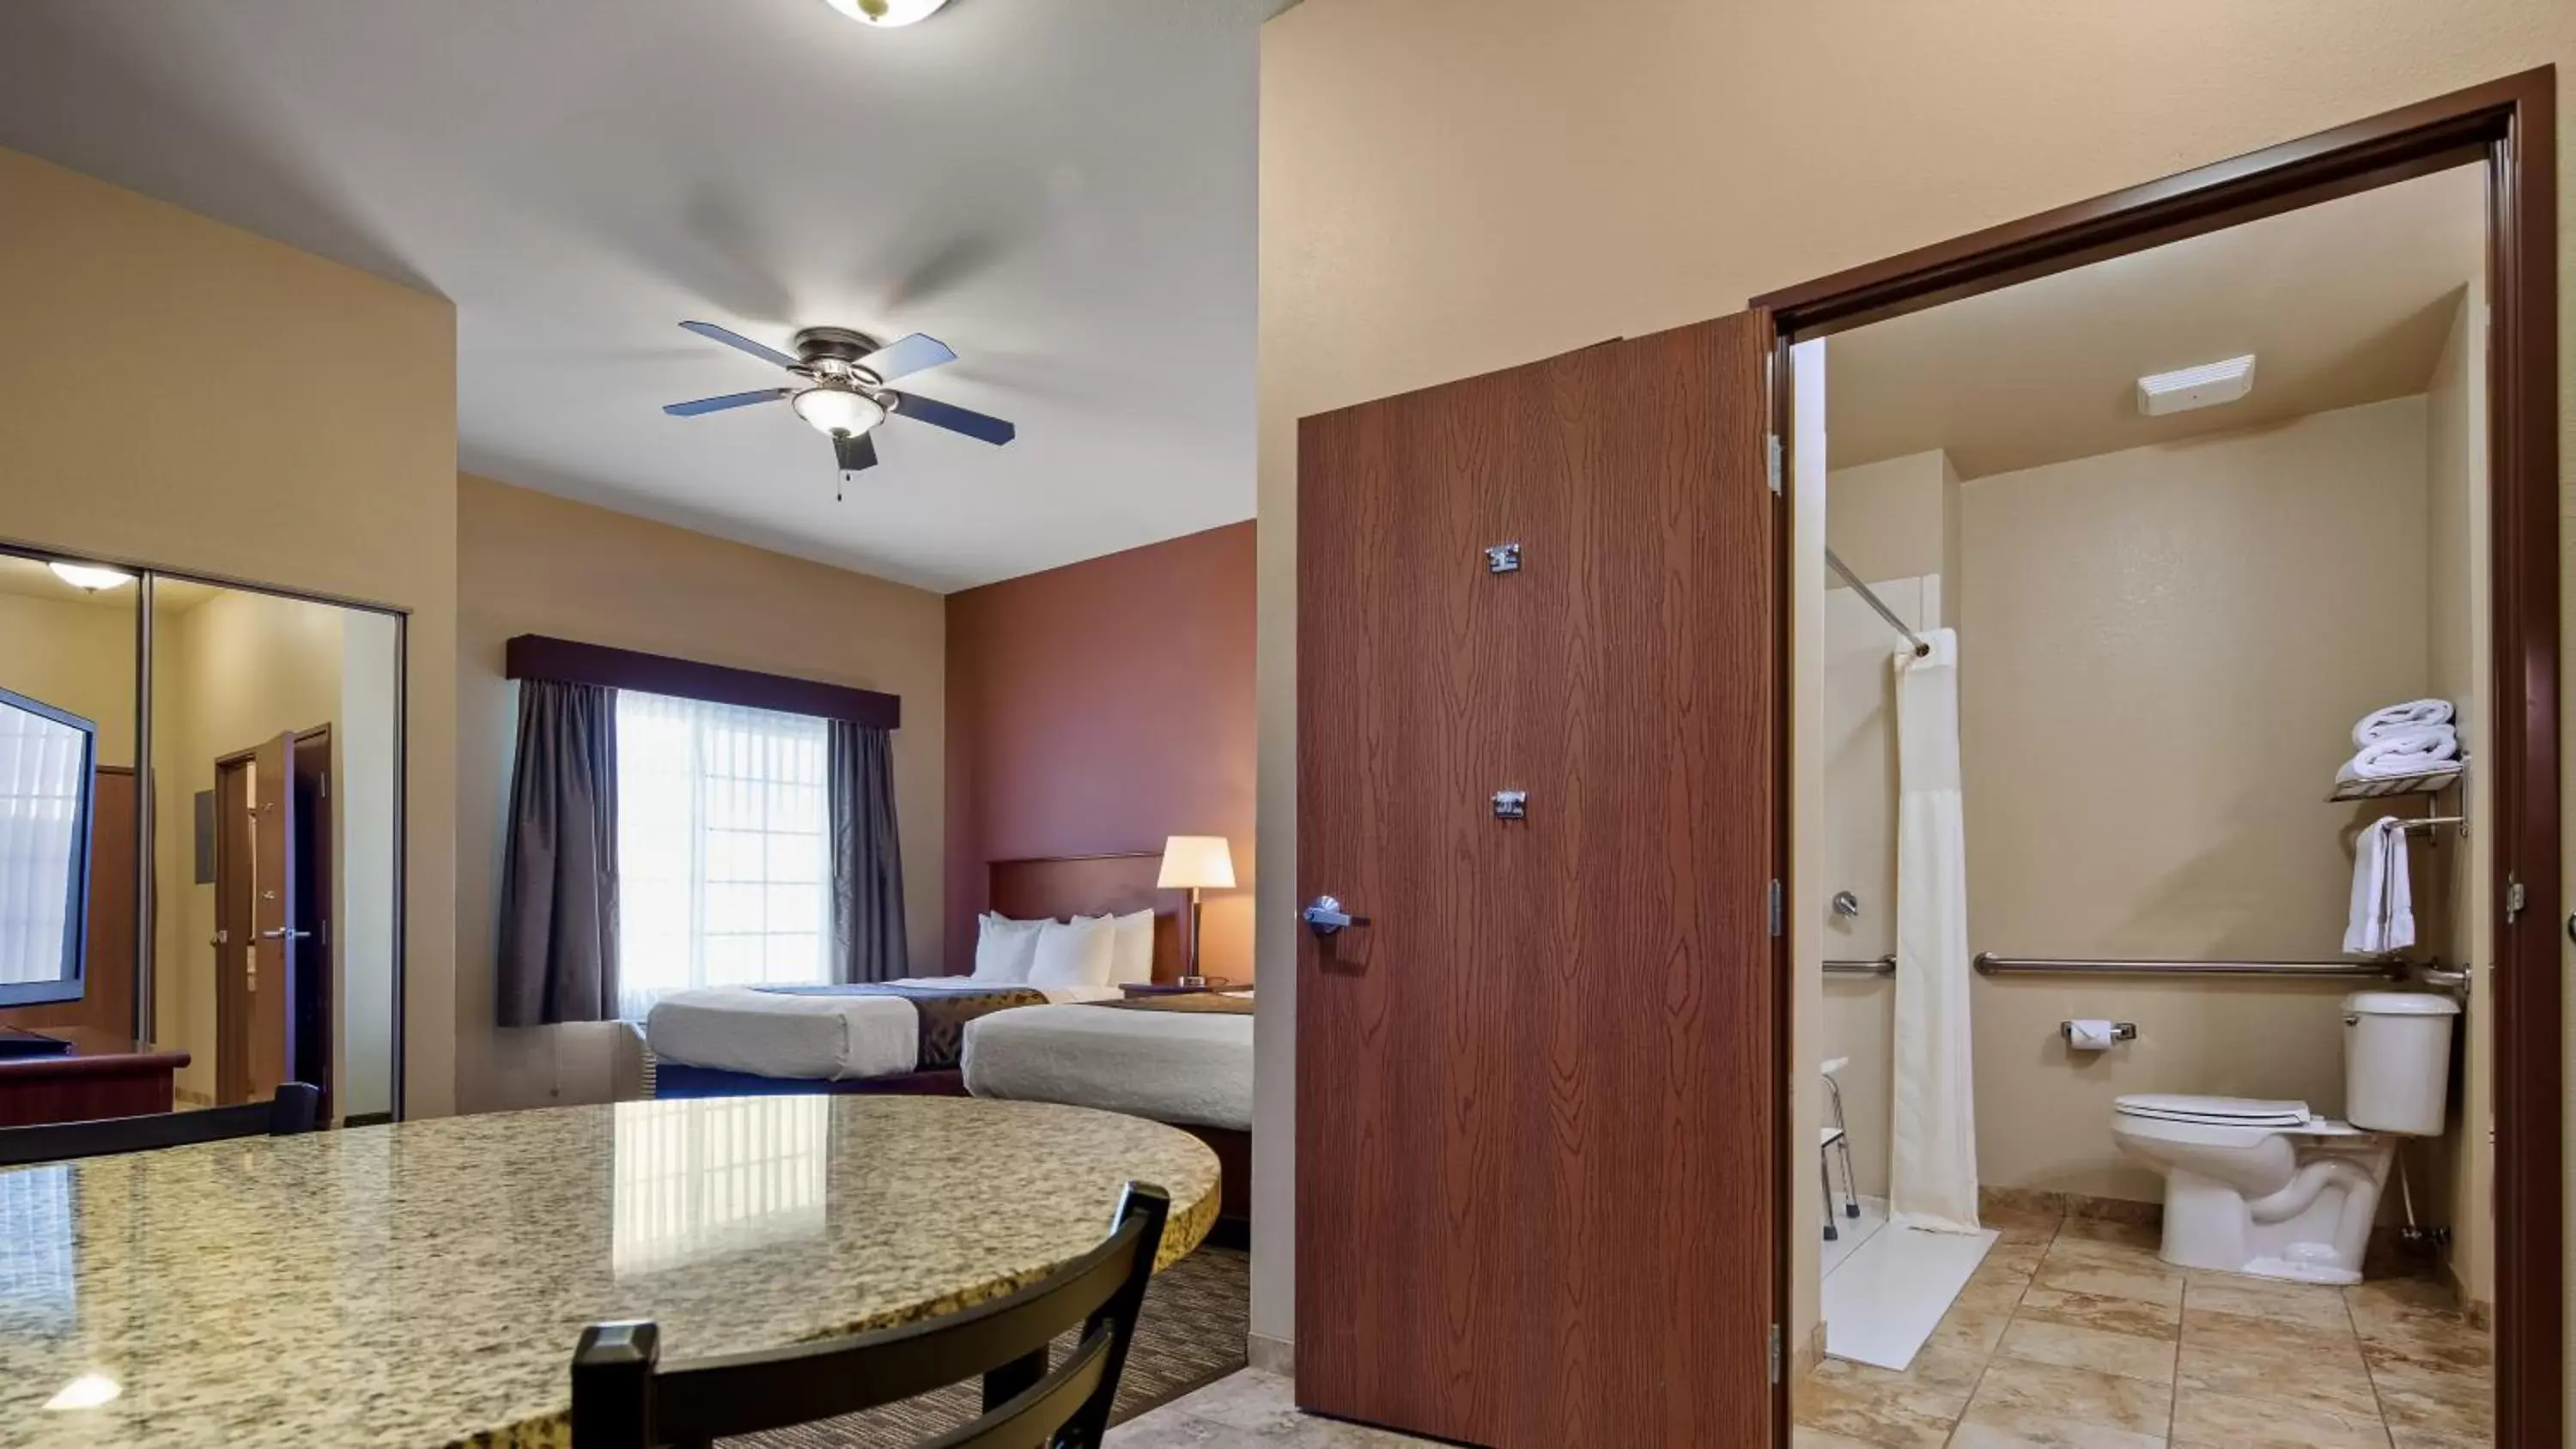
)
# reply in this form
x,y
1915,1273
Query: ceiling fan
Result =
x,y
844,393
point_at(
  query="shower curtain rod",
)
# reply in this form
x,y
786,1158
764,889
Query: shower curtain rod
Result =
x,y
1884,612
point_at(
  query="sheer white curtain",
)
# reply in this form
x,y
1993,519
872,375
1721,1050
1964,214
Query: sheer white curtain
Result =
x,y
40,790
723,867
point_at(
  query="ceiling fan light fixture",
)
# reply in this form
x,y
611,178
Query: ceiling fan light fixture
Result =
x,y
838,411
886,12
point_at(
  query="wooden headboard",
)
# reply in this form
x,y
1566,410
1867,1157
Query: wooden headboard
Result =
x,y
1064,886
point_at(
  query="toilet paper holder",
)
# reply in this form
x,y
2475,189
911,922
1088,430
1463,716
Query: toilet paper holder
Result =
x,y
2120,1031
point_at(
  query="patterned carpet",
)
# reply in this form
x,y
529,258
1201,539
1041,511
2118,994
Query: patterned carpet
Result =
x,y
1196,1317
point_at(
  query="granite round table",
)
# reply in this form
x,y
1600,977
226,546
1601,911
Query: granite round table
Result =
x,y
424,1283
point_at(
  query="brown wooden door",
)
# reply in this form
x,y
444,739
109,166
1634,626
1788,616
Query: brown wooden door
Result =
x,y
1535,1096
275,921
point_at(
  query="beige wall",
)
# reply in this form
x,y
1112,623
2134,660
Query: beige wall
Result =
x,y
1423,220
1890,519
2457,644
2162,656
74,656
298,428
529,563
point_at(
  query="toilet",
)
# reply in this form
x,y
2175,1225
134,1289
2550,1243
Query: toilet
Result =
x,y
2269,1189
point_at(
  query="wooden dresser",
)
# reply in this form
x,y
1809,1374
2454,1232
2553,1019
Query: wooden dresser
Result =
x,y
101,1076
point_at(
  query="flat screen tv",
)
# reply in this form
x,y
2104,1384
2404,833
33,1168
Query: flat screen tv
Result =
x,y
48,759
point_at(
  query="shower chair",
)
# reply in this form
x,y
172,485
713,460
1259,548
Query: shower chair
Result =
x,y
1836,1137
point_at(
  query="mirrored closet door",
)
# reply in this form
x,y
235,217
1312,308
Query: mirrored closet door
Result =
x,y
240,898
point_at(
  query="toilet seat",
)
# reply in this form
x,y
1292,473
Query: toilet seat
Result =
x,y
2276,1116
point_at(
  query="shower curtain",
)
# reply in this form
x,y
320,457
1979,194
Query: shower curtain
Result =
x,y
1932,1159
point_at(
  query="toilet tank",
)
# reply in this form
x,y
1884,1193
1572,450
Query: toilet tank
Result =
x,y
2397,1060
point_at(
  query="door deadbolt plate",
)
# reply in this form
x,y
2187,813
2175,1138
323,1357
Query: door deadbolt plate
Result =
x,y
1503,558
1511,804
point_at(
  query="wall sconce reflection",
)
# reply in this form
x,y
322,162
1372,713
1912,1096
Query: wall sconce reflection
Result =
x,y
699,1178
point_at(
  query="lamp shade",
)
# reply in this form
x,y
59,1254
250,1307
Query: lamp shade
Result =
x,y
1191,861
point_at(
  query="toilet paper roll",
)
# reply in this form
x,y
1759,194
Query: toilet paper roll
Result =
x,y
2091,1036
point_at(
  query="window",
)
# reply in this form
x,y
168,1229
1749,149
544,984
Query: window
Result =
x,y
723,867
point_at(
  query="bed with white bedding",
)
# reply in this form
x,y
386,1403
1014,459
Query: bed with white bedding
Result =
x,y
1186,1067
1185,1060
818,1035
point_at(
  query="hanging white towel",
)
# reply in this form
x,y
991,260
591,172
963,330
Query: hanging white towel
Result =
x,y
2383,903
2399,719
1932,1152
2410,753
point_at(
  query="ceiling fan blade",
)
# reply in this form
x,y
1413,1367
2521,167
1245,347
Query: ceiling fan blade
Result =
x,y
729,338
907,355
955,419
856,453
729,400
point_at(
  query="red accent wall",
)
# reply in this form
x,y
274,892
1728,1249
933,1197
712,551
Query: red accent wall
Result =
x,y
1100,707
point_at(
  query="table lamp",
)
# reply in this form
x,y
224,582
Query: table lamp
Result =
x,y
1194,863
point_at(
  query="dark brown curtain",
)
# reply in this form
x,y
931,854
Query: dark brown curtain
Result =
x,y
559,867
867,864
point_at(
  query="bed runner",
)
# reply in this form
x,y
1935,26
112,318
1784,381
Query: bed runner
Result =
x,y
942,1013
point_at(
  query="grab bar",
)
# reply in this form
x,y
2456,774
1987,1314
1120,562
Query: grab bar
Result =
x,y
1883,966
1989,964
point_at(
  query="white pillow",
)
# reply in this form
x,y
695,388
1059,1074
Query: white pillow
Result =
x,y
1075,953
1004,948
1132,957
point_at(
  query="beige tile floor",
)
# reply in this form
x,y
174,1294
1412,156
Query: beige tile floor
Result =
x,y
2076,1334
1251,1408
2073,1335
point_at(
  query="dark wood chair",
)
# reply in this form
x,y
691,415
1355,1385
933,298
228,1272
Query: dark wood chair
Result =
x,y
292,1110
624,1398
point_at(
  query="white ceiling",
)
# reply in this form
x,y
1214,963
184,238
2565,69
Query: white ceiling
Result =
x,y
2341,304
1063,192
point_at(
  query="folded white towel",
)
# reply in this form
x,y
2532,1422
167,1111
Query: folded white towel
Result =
x,y
2383,903
2411,753
2399,719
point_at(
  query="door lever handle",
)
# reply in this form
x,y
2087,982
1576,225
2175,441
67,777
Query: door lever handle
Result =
x,y
1326,917
285,933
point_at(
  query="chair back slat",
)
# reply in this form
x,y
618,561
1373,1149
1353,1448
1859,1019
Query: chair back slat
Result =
x,y
1034,1419
291,1111
617,1405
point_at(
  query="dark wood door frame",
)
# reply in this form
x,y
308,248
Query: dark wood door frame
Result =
x,y
2509,126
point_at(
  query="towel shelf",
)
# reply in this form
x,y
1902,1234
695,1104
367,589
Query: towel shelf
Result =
x,y
2427,782
1989,964
1883,966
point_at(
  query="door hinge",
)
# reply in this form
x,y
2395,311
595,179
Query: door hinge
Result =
x,y
2515,898
1774,441
1775,1353
1775,906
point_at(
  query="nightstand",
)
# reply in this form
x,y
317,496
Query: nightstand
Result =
x,y
1174,988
